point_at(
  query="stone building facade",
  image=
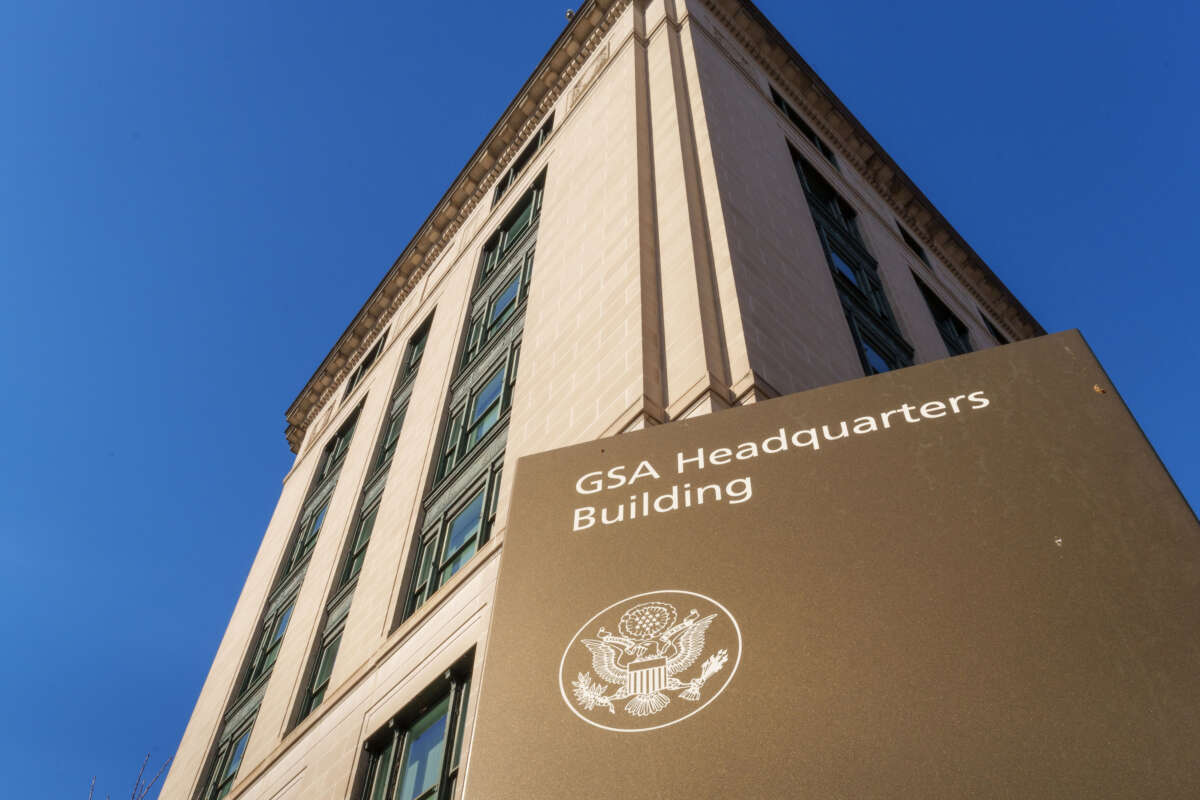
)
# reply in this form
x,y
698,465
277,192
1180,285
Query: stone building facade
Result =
x,y
674,216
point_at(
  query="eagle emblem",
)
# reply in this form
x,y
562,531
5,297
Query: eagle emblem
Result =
x,y
651,647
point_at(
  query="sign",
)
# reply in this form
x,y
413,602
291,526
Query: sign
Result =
x,y
970,578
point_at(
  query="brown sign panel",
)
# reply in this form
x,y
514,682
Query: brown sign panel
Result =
x,y
971,578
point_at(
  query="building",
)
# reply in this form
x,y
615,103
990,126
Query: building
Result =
x,y
674,216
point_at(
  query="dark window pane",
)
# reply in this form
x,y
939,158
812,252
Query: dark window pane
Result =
x,y
359,553
324,669
381,770
424,569
993,330
416,349
876,363
450,450
390,436
328,656
954,332
912,243
519,224
845,269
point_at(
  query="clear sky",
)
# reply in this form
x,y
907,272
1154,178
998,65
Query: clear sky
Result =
x,y
196,198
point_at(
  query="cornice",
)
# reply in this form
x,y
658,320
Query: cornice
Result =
x,y
795,77
553,75
539,93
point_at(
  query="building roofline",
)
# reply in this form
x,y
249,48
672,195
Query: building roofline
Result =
x,y
546,83
894,185
543,86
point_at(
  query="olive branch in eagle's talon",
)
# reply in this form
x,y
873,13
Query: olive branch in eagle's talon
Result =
x,y
710,667
590,694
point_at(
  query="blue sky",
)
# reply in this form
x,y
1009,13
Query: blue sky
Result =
x,y
196,198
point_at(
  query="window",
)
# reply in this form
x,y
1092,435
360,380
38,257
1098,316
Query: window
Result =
x,y
312,515
337,605
878,350
824,199
269,641
364,366
913,244
335,451
485,408
993,330
418,757
498,308
306,536
881,346
522,161
460,502
358,548
416,349
954,332
391,434
450,540
486,405
319,682
511,230
802,126
400,395
228,761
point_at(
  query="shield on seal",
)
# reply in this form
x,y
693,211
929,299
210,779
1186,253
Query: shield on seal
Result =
x,y
647,676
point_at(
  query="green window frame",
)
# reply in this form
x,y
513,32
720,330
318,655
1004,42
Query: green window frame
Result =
x,y
419,755
358,547
391,435
504,302
458,509
452,539
415,350
335,450
270,639
318,684
485,408
512,230
227,762
337,605
519,164
306,535
364,366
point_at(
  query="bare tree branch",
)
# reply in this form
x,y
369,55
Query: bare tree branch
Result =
x,y
138,783
141,788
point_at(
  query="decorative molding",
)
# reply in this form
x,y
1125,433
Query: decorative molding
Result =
x,y
566,60
583,84
569,54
